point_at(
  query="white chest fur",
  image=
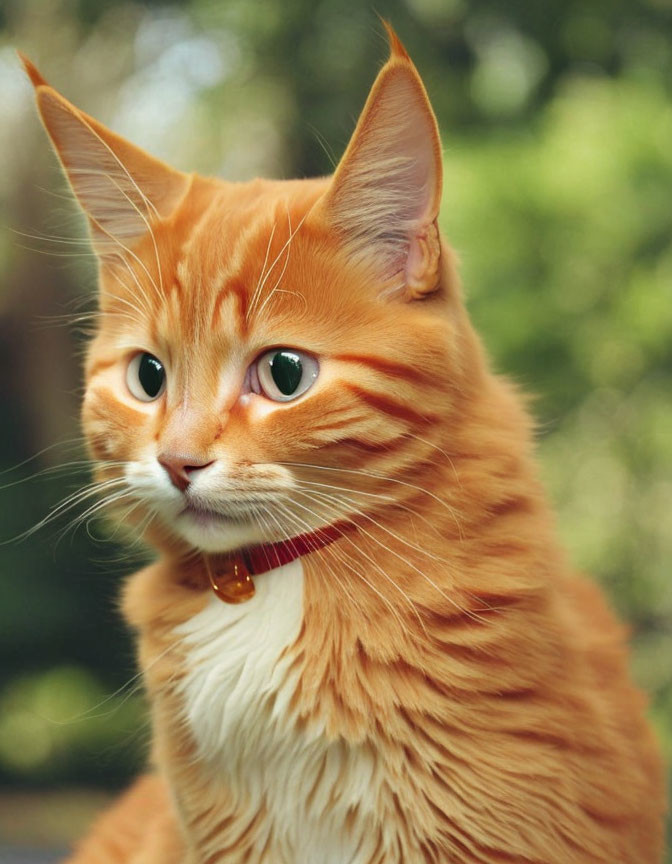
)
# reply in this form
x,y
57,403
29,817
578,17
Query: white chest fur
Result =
x,y
237,695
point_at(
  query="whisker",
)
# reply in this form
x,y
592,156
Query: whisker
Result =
x,y
70,442
332,571
91,511
282,272
409,563
440,450
413,546
148,203
378,476
346,561
53,238
52,470
136,258
393,502
277,258
95,172
397,587
52,253
65,505
134,683
261,275
143,312
66,320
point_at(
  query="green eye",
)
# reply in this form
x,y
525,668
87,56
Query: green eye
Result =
x,y
146,377
285,374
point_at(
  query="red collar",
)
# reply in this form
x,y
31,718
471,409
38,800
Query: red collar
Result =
x,y
231,574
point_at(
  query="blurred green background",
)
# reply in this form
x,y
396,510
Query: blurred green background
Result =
x,y
557,126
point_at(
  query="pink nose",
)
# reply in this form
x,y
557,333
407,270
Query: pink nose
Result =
x,y
181,468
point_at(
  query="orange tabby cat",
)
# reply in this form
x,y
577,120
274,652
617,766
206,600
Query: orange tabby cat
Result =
x,y
415,674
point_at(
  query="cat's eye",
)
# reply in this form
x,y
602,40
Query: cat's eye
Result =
x,y
285,374
146,377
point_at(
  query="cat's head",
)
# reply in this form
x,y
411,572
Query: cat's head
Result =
x,y
270,357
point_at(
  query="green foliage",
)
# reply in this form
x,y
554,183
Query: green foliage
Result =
x,y
55,725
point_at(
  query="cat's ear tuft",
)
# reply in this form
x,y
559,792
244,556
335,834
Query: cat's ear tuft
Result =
x,y
385,194
122,189
32,71
396,45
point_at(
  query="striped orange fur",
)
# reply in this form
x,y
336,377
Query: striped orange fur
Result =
x,y
437,685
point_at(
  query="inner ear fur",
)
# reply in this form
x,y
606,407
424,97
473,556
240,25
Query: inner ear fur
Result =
x,y
121,188
385,194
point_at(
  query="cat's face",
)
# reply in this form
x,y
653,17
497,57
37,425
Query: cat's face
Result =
x,y
263,347
269,355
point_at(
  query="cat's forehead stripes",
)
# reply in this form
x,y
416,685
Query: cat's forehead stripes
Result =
x,y
230,305
235,250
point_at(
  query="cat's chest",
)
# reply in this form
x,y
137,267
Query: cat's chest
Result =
x,y
237,696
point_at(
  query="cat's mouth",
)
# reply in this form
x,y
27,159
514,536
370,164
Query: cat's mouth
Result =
x,y
206,517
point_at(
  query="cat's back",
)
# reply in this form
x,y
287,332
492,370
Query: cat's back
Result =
x,y
619,780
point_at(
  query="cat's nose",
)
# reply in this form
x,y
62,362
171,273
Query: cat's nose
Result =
x,y
181,468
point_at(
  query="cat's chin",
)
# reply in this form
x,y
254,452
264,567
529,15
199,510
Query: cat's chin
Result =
x,y
214,533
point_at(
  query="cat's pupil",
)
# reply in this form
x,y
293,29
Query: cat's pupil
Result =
x,y
286,369
151,374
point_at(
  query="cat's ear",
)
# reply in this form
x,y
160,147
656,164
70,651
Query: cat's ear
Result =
x,y
385,194
121,188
